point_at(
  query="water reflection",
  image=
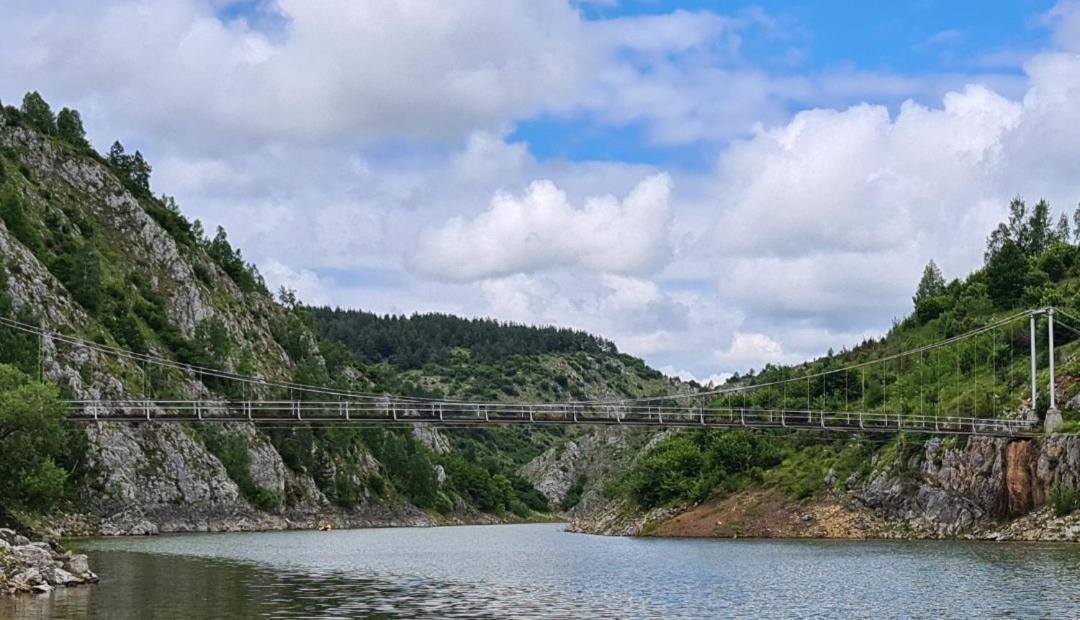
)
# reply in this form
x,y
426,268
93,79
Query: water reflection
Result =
x,y
538,571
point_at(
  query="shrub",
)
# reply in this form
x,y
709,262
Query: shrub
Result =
x,y
232,451
688,466
1062,499
573,494
32,442
443,503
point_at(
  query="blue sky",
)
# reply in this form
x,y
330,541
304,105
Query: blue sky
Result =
x,y
712,185
910,38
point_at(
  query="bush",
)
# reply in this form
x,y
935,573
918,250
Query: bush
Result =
x,y
573,494
443,503
32,442
688,466
1062,499
232,451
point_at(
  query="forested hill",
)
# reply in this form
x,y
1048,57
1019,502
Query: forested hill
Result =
x,y
410,342
443,355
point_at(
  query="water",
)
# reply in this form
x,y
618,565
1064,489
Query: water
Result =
x,y
540,571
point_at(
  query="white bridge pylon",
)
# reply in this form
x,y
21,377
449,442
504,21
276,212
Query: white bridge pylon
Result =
x,y
873,392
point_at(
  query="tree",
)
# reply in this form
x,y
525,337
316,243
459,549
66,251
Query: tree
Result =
x,y
1076,224
139,173
1062,233
1037,232
930,296
38,114
133,170
1006,275
80,273
32,441
69,128
116,157
931,284
1031,233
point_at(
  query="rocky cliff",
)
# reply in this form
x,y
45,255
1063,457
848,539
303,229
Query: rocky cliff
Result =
x,y
85,253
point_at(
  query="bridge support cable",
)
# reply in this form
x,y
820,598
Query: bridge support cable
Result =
x,y
757,409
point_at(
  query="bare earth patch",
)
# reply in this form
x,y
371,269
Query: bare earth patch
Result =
x,y
768,513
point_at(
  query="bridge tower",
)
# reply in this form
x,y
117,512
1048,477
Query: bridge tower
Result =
x,y
1053,417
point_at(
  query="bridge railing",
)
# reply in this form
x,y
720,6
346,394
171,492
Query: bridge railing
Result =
x,y
388,411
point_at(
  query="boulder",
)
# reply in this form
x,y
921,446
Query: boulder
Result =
x,y
34,556
60,577
12,538
78,565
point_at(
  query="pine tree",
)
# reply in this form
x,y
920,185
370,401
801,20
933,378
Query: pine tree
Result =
x,y
931,284
139,174
117,158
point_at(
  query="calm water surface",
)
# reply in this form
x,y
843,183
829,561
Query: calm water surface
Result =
x,y
540,571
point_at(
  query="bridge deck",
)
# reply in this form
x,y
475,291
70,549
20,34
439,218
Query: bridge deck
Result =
x,y
455,414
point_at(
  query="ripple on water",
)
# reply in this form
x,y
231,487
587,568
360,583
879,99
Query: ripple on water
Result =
x,y
539,571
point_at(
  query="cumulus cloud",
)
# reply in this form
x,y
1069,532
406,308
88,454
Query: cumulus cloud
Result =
x,y
541,230
353,149
858,180
364,69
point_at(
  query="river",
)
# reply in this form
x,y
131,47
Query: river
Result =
x,y
543,572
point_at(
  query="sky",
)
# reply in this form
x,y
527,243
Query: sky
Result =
x,y
712,185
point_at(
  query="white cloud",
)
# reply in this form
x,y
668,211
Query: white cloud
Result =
x,y
353,149
308,285
541,230
753,350
1064,22
858,180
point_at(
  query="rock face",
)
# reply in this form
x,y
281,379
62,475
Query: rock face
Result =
x,y
948,489
38,567
166,478
588,462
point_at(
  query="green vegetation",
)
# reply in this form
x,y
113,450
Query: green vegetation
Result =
x,y
37,451
1062,499
232,450
688,466
573,494
409,343
1029,262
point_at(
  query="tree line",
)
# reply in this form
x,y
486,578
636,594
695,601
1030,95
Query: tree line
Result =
x,y
410,342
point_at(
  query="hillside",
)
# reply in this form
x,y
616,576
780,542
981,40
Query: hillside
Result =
x,y
89,251
729,483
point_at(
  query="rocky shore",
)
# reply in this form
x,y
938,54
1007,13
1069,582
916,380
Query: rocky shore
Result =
x,y
979,488
38,566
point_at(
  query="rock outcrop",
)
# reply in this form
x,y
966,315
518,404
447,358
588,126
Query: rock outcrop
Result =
x,y
38,566
954,487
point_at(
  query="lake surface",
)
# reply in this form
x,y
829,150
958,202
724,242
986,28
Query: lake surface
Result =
x,y
540,571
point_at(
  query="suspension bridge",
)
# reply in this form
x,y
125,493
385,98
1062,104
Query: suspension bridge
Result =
x,y
851,398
